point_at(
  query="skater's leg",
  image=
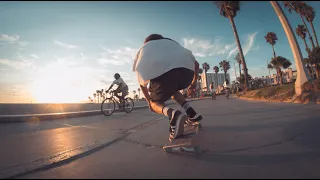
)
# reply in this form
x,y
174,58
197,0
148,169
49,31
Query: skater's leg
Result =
x,y
184,78
161,89
192,115
176,118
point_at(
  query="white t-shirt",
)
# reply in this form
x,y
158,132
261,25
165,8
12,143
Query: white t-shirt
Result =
x,y
160,56
118,82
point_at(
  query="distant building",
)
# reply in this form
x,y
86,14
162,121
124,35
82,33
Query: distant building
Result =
x,y
288,75
216,79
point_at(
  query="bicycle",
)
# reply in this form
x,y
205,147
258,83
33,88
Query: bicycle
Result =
x,y
112,102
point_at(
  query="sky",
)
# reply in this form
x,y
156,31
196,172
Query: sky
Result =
x,y
64,51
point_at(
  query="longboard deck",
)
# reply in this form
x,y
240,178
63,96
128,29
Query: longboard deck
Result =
x,y
185,143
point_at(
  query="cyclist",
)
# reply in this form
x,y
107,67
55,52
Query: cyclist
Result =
x,y
168,67
122,87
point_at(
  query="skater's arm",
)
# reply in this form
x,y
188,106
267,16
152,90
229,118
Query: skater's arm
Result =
x,y
193,84
196,70
145,93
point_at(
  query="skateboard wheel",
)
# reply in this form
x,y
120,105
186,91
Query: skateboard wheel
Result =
x,y
168,150
197,150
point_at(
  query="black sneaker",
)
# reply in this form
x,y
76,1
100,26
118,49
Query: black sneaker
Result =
x,y
195,120
176,124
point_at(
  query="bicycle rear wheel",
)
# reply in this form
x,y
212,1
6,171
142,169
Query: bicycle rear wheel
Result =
x,y
128,105
108,106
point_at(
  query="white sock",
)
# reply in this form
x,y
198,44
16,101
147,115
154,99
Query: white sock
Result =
x,y
165,110
186,106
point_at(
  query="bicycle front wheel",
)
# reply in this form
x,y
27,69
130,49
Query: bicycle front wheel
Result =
x,y
108,106
128,105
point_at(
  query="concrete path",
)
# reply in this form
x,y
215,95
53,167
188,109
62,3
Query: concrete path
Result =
x,y
241,139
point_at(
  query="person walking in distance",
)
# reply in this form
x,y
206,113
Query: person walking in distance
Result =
x,y
168,68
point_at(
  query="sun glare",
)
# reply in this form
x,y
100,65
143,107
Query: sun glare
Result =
x,y
57,84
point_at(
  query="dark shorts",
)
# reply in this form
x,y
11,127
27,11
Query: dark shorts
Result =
x,y
163,87
124,91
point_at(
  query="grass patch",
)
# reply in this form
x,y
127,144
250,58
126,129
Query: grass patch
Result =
x,y
273,93
286,93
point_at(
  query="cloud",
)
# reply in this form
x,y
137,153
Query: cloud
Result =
x,y
15,39
205,48
118,57
64,45
34,56
11,39
17,64
106,82
70,61
247,47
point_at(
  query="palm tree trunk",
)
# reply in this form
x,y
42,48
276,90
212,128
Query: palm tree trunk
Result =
x,y
274,52
244,65
310,37
314,33
305,43
280,76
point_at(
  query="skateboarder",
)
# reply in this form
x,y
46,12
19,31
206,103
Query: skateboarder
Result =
x,y
168,67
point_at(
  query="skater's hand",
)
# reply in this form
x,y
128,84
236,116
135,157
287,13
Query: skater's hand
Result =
x,y
191,89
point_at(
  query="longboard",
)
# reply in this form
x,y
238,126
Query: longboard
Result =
x,y
185,143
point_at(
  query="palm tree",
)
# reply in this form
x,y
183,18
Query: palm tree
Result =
x,y
98,95
310,15
89,98
238,59
299,7
309,62
206,67
139,92
278,63
94,96
229,10
241,78
314,60
271,38
101,94
216,70
301,32
225,65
